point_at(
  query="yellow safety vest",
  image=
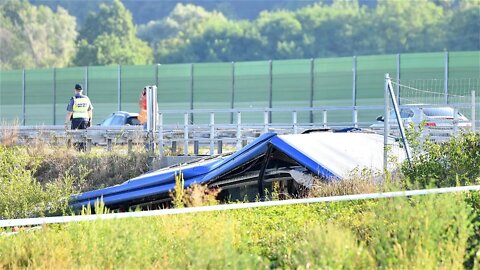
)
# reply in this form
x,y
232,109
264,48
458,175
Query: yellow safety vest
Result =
x,y
80,107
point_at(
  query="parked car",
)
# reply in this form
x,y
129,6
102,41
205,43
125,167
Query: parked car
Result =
x,y
121,118
435,117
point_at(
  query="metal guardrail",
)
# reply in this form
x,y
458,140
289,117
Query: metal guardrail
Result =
x,y
212,135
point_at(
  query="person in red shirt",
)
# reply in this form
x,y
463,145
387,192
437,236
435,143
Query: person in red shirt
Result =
x,y
142,104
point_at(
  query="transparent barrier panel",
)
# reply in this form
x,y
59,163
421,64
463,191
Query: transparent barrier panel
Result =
x,y
464,76
66,78
39,97
291,88
11,97
252,82
174,91
333,87
134,79
370,85
103,91
212,89
423,74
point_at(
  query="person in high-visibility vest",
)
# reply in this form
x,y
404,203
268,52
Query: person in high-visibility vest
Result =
x,y
142,104
79,112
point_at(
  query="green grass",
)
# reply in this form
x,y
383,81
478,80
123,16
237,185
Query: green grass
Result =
x,y
426,232
429,232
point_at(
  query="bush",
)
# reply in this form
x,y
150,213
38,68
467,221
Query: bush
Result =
x,y
99,168
37,179
452,163
21,195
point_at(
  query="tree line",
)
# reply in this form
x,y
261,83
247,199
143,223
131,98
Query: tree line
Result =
x,y
34,36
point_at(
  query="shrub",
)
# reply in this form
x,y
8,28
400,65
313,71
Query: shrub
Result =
x,y
195,195
452,163
99,168
21,195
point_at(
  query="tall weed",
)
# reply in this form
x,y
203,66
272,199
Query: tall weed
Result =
x,y
429,232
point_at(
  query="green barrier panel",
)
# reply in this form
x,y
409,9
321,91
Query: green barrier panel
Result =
x,y
66,78
11,97
103,91
370,85
423,74
173,90
212,89
291,88
134,79
464,77
39,97
414,66
252,82
464,65
464,74
333,87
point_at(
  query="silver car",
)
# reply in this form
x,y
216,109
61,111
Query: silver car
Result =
x,y
434,117
121,118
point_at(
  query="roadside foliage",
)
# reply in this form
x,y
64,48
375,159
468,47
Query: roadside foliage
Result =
x,y
424,232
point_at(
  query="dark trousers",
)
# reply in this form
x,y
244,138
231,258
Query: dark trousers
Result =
x,y
79,123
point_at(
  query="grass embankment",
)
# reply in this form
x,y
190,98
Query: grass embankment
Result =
x,y
430,232
36,179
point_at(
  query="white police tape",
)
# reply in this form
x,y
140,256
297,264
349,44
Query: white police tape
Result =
x,y
67,219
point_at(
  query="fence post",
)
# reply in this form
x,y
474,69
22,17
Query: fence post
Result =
x,y
54,95
398,78
160,134
386,123
312,87
294,118
219,147
185,134
473,112
119,86
174,147
232,99
152,112
445,86
270,89
23,98
85,88
455,121
195,147
354,86
191,92
265,121
424,133
156,74
212,133
109,144
239,131
324,118
355,117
